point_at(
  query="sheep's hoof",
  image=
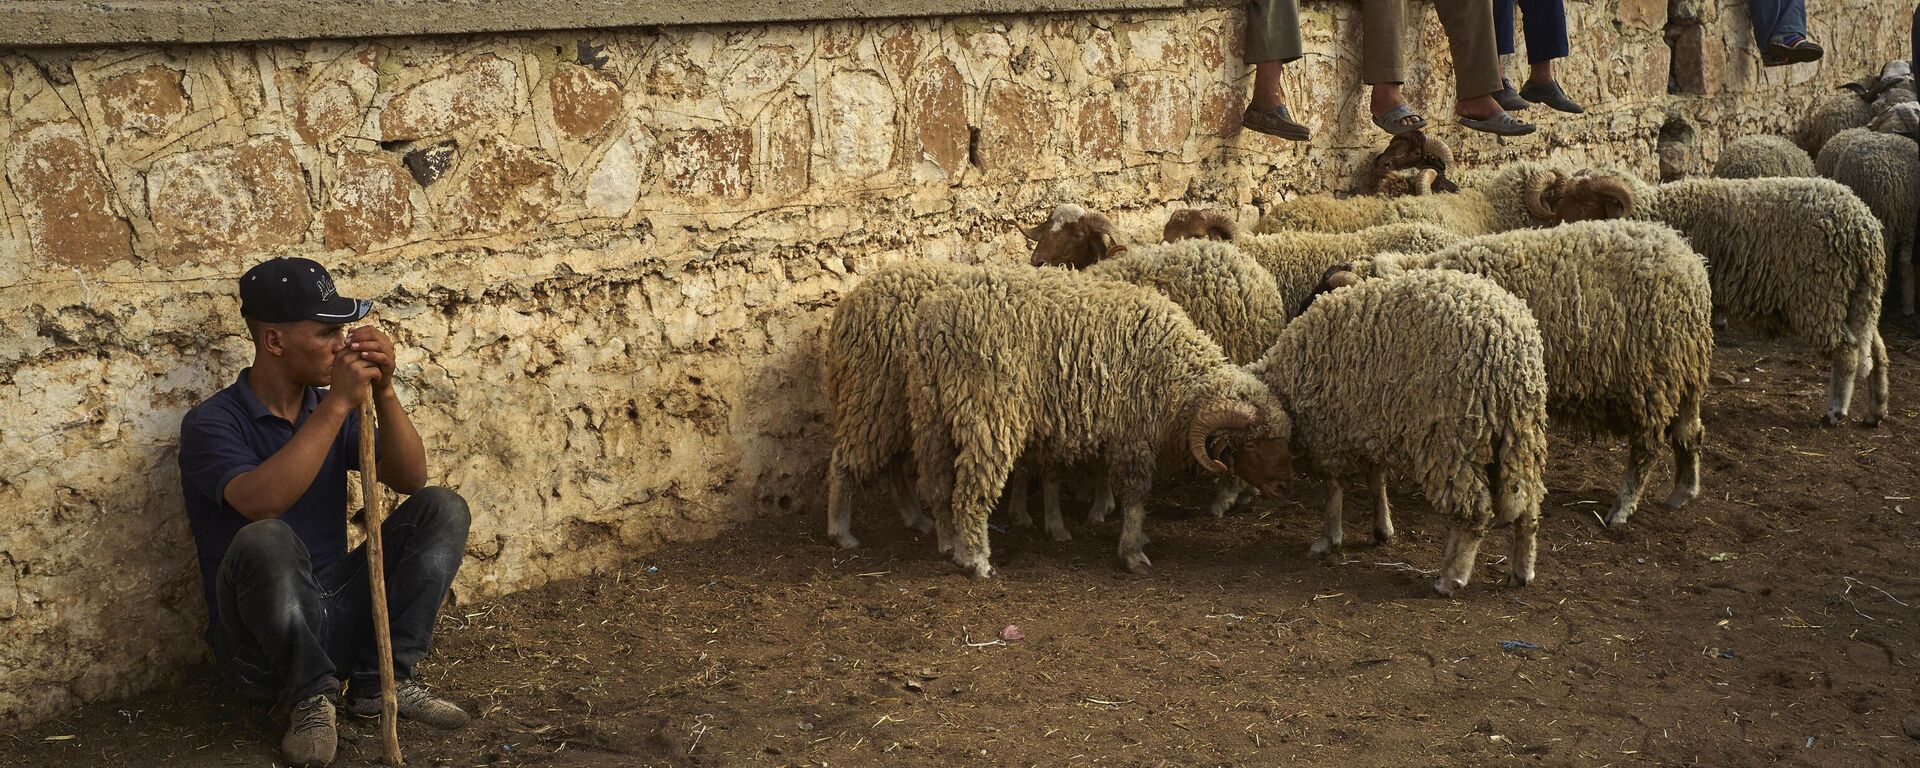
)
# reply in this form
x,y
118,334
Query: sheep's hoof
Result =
x,y
923,524
1518,579
1322,546
1832,419
1680,497
978,568
1382,537
845,540
1618,517
1447,585
1138,563
1060,534
1871,422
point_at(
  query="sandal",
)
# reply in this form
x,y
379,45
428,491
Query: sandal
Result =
x,y
1499,124
1392,121
1508,98
1274,122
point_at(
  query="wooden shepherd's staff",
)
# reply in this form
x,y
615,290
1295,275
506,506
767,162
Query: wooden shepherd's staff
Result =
x,y
377,581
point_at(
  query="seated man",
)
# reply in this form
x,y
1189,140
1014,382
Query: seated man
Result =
x,y
1272,39
263,466
1476,68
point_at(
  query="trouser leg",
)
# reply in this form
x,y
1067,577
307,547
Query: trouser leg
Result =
x,y
1503,27
1273,31
1476,65
1546,29
268,634
423,541
1383,24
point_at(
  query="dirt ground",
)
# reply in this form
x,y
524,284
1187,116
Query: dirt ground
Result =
x,y
1773,621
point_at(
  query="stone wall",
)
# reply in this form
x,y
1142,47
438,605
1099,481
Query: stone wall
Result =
x,y
606,254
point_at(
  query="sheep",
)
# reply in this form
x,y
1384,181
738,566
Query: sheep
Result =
x,y
1199,224
1436,373
1512,198
1884,171
1413,164
1298,259
1803,256
1224,291
1625,312
1755,157
864,378
1068,370
1832,114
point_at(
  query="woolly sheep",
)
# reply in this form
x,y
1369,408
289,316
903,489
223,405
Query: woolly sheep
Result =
x,y
1803,256
1511,198
1071,370
1832,114
1297,260
1884,171
865,382
1413,163
1222,290
1755,157
1625,312
1434,373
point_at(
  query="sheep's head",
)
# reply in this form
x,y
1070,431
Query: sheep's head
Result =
x,y
1545,193
1072,236
1231,437
1596,197
1199,224
1415,149
1902,118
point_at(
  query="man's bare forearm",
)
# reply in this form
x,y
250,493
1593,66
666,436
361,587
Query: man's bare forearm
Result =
x,y
267,490
403,459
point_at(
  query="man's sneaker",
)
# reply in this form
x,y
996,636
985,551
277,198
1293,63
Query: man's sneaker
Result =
x,y
311,738
416,703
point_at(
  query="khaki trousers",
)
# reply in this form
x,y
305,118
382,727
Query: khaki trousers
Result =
x,y
1469,25
1273,31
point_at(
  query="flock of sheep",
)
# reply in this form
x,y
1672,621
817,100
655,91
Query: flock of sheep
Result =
x,y
1430,335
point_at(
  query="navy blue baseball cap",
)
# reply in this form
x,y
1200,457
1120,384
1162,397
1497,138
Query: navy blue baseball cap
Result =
x,y
283,290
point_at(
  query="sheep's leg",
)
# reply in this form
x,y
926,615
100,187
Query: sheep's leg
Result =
x,y
1525,548
1382,514
1846,365
1685,436
911,515
1226,493
1330,540
840,508
974,493
1017,498
1132,481
1463,545
1640,460
1903,271
1050,498
1877,381
933,453
1102,500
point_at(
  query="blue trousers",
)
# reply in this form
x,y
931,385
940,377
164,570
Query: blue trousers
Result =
x,y
1546,28
1774,19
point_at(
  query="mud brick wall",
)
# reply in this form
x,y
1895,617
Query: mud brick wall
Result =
x,y
606,254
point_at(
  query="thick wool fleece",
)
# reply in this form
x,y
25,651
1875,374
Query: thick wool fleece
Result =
x,y
1833,114
1297,260
1067,369
1798,256
1762,156
1433,373
1224,291
1496,204
1625,311
1884,171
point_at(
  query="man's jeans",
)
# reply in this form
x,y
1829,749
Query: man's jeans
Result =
x,y
285,632
1775,19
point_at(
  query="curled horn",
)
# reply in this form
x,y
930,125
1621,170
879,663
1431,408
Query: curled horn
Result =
x,y
1212,418
1537,186
1101,244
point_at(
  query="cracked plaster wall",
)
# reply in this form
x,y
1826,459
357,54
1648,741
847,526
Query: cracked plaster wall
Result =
x,y
606,255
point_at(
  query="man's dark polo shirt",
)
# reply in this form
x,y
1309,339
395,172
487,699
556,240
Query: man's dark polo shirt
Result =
x,y
233,432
